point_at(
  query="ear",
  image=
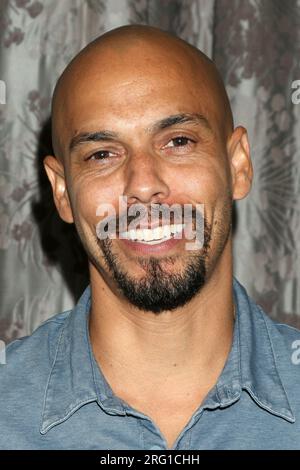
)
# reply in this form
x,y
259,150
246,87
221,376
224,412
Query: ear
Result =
x,y
240,163
56,175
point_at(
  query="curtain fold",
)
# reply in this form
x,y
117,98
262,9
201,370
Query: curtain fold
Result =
x,y
256,46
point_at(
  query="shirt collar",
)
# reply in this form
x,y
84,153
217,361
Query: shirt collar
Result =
x,y
75,378
251,364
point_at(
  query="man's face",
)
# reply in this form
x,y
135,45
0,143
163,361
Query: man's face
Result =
x,y
150,159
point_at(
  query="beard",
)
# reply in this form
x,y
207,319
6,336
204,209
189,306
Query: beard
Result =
x,y
159,289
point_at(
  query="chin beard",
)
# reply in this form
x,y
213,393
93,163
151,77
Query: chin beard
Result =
x,y
160,290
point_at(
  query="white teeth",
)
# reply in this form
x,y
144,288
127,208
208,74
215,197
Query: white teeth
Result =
x,y
167,230
132,235
153,236
158,233
147,234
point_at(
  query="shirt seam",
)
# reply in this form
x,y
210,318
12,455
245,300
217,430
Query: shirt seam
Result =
x,y
288,326
275,361
50,375
239,376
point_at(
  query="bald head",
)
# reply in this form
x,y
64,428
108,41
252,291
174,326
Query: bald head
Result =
x,y
141,57
143,115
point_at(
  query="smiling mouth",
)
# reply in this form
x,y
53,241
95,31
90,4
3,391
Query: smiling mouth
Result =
x,y
153,236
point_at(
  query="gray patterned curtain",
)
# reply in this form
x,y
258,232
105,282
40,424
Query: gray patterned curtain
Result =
x,y
256,45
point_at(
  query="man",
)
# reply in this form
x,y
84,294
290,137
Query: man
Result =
x,y
164,350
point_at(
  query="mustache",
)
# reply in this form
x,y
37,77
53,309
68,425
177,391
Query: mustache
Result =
x,y
158,214
198,228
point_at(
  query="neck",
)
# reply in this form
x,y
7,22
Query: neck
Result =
x,y
189,344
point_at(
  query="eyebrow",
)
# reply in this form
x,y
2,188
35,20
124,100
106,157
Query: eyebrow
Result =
x,y
193,118
106,135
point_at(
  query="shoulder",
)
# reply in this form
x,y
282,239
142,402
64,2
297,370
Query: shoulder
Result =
x,y
285,343
32,356
291,338
274,338
23,381
285,332
278,332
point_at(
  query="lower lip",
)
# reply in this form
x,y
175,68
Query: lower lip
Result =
x,y
152,249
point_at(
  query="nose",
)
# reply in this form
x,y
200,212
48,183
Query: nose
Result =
x,y
144,181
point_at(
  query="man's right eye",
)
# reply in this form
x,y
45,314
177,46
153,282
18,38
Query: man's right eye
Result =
x,y
100,155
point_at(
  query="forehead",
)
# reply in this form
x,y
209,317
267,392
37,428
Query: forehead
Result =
x,y
134,99
134,88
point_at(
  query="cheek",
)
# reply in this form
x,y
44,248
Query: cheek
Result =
x,y
89,197
205,183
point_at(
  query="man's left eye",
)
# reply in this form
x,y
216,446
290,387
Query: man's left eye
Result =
x,y
179,141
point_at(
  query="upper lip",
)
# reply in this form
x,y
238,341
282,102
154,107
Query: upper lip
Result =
x,y
152,227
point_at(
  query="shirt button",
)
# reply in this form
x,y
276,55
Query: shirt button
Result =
x,y
156,448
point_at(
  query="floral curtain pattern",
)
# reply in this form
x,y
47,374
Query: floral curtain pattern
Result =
x,y
255,44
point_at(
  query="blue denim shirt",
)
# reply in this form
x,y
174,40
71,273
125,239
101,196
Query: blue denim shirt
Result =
x,y
53,395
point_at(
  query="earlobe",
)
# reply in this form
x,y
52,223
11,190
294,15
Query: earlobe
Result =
x,y
56,176
240,163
